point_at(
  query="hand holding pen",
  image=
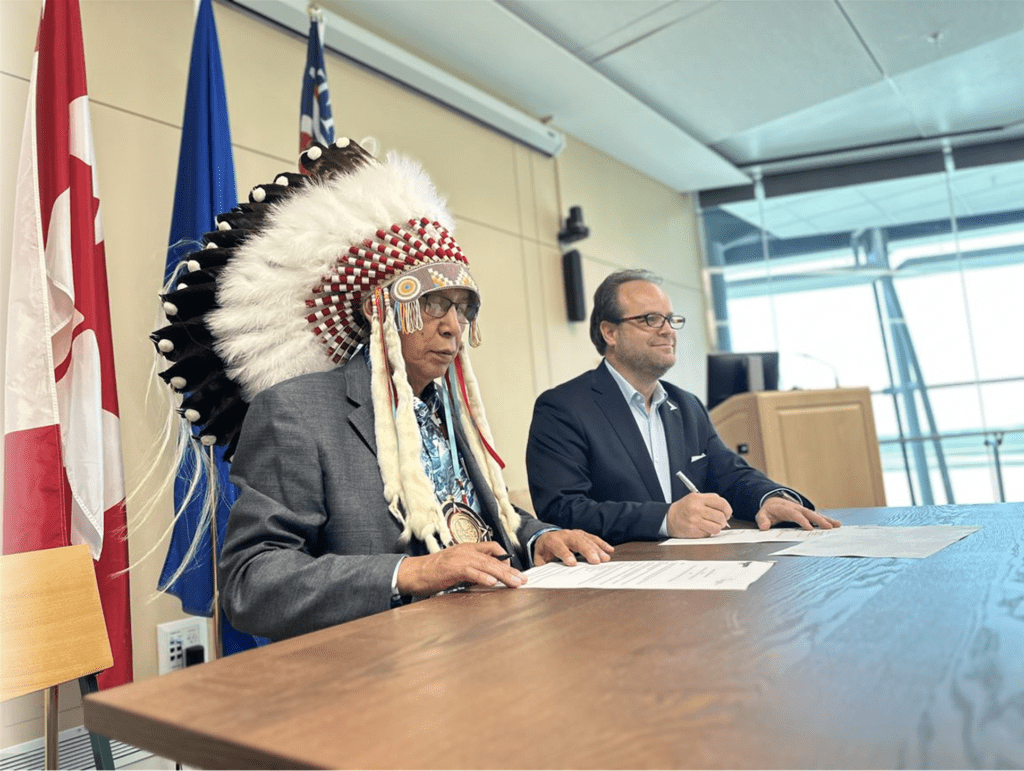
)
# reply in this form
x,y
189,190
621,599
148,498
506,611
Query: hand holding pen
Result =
x,y
463,586
698,514
484,564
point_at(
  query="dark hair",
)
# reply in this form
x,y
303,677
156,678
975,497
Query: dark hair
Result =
x,y
606,301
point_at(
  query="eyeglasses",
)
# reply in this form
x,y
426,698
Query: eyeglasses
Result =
x,y
437,305
655,320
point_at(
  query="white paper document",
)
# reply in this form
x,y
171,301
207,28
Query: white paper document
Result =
x,y
750,535
676,574
880,541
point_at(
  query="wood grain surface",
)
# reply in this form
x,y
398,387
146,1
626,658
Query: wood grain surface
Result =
x,y
822,663
51,620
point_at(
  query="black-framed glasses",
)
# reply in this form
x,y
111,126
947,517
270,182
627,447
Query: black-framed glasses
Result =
x,y
656,320
437,305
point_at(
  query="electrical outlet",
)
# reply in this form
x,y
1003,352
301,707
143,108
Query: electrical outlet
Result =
x,y
174,637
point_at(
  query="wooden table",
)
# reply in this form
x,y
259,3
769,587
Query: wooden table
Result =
x,y
821,663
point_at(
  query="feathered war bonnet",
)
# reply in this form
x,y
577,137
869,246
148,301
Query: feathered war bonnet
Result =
x,y
277,291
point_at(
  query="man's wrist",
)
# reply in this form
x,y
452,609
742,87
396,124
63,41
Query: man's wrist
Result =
x,y
396,597
789,495
533,541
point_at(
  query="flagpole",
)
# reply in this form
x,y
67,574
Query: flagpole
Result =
x,y
218,648
205,188
316,124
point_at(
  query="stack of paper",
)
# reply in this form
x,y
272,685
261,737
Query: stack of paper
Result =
x,y
846,541
675,574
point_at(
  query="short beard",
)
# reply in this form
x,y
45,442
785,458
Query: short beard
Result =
x,y
645,367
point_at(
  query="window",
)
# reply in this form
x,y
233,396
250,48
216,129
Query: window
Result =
x,y
912,287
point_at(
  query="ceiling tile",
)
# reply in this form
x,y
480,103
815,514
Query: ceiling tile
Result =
x,y
868,116
865,215
905,35
990,178
739,64
663,17
780,222
838,200
977,89
520,66
906,186
917,196
794,229
579,24
757,79
996,199
921,212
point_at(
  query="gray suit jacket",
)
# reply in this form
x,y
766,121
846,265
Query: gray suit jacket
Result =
x,y
310,542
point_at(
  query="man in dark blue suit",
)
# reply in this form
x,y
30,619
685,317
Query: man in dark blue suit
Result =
x,y
606,449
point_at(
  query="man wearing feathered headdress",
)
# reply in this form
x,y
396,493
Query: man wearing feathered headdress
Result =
x,y
331,312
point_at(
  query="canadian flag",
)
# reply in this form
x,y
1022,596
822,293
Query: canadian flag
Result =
x,y
63,473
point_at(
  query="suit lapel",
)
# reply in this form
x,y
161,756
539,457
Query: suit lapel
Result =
x,y
611,402
357,391
488,504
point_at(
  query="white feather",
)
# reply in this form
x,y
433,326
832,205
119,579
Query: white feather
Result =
x,y
261,328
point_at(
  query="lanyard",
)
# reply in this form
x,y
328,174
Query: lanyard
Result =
x,y
448,405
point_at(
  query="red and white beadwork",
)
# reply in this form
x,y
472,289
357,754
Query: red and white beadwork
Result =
x,y
333,303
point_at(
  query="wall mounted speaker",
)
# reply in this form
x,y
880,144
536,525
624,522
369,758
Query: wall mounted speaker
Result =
x,y
575,297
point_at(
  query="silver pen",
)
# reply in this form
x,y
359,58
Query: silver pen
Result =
x,y
693,488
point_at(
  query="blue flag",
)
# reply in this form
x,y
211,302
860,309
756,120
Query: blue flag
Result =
x,y
205,188
315,121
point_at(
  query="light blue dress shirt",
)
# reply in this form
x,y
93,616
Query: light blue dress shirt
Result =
x,y
652,429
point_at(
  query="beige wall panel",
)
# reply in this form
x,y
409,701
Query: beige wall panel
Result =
x,y
21,719
570,351
254,168
689,271
472,167
537,327
547,198
689,372
137,54
537,179
525,188
634,221
263,82
19,21
503,363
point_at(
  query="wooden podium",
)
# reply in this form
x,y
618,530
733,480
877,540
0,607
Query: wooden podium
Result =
x,y
821,443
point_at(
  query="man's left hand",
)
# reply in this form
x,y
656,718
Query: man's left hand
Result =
x,y
564,545
778,509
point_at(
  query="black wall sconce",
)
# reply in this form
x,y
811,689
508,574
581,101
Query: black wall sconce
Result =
x,y
575,297
572,265
574,229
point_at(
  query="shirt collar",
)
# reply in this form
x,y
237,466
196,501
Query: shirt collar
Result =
x,y
630,394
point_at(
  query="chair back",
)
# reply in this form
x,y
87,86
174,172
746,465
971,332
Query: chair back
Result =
x,y
51,620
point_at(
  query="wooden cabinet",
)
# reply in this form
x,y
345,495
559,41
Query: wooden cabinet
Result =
x,y
822,443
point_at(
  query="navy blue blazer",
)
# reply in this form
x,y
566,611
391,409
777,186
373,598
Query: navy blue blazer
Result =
x,y
589,467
